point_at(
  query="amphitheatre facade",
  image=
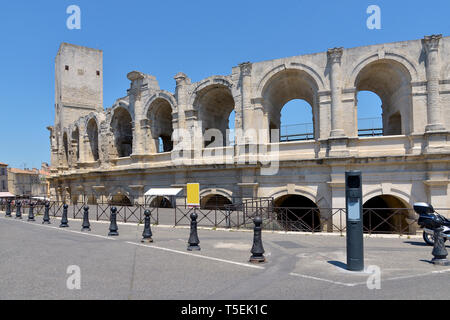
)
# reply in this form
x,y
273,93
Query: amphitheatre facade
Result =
x,y
117,154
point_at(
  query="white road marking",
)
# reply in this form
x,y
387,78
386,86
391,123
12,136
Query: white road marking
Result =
x,y
61,229
198,256
324,280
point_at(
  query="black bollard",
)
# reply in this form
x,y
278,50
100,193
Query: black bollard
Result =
x,y
31,212
86,225
18,210
64,221
8,208
147,234
439,251
46,219
193,237
257,249
113,229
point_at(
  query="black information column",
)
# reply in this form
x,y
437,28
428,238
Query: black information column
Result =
x,y
355,245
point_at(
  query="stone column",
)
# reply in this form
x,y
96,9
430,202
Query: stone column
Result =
x,y
187,121
246,83
334,60
136,79
431,46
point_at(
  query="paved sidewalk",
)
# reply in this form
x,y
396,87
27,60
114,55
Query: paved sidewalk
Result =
x,y
35,259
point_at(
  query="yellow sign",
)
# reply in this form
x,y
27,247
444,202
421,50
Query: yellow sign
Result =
x,y
193,194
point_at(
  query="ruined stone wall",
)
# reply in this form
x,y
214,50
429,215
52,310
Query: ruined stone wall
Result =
x,y
411,160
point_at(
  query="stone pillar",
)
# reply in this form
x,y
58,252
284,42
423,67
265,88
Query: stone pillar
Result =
x,y
334,60
337,188
85,149
187,120
431,46
136,79
246,87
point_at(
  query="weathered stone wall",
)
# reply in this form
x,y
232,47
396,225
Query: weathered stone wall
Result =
x,y
410,162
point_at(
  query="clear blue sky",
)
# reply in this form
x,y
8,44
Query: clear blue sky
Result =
x,y
198,37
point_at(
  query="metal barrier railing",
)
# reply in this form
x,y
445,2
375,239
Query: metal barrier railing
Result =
x,y
240,216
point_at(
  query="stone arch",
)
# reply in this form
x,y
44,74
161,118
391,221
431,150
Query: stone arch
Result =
x,y
73,133
401,58
391,81
117,194
310,69
402,195
296,212
213,102
161,202
215,200
220,191
65,148
92,132
289,84
387,213
166,95
298,190
122,128
210,81
159,114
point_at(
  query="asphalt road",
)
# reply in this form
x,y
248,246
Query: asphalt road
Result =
x,y
35,259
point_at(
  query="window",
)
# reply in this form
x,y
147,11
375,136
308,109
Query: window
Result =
x,y
67,68
98,73
3,185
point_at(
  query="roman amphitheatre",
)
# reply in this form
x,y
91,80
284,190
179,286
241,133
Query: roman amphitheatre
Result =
x,y
115,155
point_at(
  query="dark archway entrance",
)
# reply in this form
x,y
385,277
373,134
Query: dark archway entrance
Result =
x,y
215,201
120,200
297,213
161,202
385,214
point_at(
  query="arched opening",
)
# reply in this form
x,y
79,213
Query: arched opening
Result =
x,y
215,201
385,214
121,126
294,92
66,150
160,116
290,128
92,132
297,213
161,202
214,105
76,144
231,135
390,81
370,118
120,200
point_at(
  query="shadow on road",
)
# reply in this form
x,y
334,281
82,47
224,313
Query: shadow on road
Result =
x,y
338,264
416,243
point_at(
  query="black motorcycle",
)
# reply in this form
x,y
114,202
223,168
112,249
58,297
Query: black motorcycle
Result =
x,y
430,220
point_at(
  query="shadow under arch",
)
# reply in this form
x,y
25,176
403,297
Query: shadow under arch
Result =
x,y
285,86
297,213
390,80
387,214
215,201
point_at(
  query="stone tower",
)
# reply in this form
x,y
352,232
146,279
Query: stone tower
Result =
x,y
78,92
78,83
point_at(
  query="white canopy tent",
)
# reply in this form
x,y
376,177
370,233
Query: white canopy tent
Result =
x,y
162,192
